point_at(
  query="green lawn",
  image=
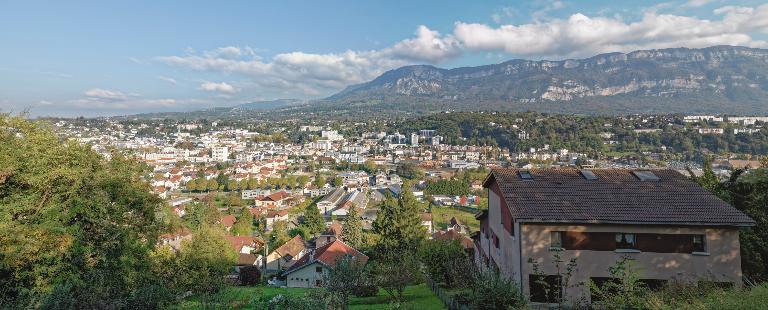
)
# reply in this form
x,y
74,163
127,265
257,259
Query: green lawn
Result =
x,y
441,216
416,297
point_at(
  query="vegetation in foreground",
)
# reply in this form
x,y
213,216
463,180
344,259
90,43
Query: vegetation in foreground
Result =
x,y
414,297
78,231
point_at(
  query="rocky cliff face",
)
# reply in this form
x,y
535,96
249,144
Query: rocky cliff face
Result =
x,y
725,73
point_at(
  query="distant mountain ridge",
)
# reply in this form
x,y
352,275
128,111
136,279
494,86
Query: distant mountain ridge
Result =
x,y
269,104
731,78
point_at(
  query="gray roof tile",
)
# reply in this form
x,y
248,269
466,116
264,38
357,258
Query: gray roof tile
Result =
x,y
617,196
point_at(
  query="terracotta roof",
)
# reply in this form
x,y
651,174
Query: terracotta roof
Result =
x,y
465,241
614,196
328,255
228,220
293,247
258,211
277,196
278,213
238,242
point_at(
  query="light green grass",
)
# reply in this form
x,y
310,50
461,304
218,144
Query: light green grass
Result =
x,y
441,216
418,297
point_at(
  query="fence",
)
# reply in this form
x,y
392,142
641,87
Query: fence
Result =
x,y
446,298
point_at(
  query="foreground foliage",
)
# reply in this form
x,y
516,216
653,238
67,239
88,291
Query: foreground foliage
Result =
x,y
76,230
79,231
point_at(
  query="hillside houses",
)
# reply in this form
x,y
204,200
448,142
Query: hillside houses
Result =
x,y
338,202
312,268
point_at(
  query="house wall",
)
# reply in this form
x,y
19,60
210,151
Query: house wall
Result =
x,y
504,257
306,276
723,264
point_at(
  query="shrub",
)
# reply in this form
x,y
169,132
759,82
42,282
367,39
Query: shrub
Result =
x,y
491,291
249,275
446,262
366,288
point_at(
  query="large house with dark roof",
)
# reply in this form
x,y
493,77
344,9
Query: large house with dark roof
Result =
x,y
671,228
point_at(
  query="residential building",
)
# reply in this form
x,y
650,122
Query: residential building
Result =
x,y
311,269
670,227
286,255
220,153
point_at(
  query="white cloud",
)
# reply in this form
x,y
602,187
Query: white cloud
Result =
x,y
231,52
168,79
580,35
428,46
301,74
310,74
696,3
219,87
105,94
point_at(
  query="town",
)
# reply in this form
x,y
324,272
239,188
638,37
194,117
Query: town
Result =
x,y
367,155
286,204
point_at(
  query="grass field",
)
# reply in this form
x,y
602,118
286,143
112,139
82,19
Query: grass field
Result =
x,y
418,297
442,215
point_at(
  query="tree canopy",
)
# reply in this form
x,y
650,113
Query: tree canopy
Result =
x,y
75,228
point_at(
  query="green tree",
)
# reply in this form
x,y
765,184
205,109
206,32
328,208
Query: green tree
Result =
x,y
352,232
342,281
202,184
201,214
313,220
207,258
303,180
212,185
337,181
394,271
76,230
233,185
319,181
244,224
279,234
191,185
446,262
491,290
399,224
409,171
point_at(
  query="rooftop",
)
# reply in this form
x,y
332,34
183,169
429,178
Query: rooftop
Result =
x,y
660,196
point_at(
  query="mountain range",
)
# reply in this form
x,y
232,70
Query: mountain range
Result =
x,y
718,79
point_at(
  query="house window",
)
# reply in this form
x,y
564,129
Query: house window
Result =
x,y
699,243
318,269
625,241
556,240
495,241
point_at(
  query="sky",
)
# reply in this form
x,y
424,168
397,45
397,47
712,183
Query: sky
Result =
x,y
99,58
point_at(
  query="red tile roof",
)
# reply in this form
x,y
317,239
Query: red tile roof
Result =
x,y
238,242
228,220
328,255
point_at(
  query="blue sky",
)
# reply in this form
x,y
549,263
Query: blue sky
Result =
x,y
90,58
